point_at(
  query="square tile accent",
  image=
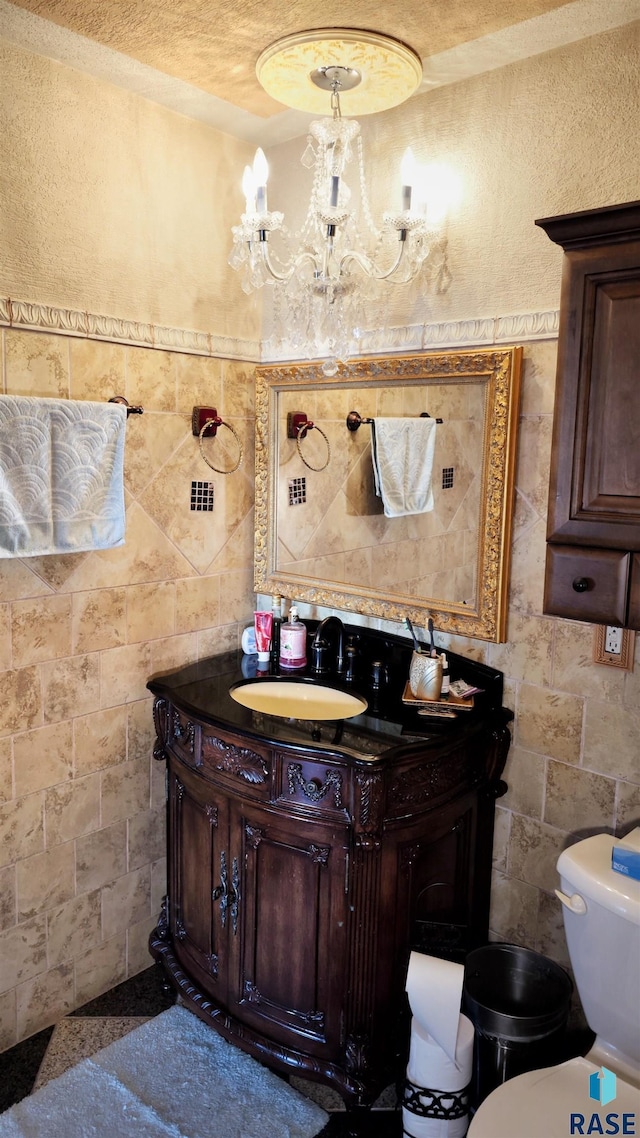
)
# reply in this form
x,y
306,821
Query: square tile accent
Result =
x,y
202,495
297,491
447,477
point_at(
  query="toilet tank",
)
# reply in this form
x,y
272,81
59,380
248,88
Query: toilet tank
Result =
x,y
604,941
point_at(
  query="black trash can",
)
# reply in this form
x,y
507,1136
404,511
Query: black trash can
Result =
x,y
518,1002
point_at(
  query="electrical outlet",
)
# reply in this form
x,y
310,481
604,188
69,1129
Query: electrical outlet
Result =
x,y
614,646
613,640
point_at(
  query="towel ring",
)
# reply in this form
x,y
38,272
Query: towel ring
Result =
x,y
309,426
220,423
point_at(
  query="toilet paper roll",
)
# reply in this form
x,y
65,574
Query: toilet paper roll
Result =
x,y
430,1066
434,988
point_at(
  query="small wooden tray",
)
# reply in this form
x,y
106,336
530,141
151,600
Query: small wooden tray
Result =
x,y
452,703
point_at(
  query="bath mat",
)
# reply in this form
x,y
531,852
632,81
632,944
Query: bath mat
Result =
x,y
173,1077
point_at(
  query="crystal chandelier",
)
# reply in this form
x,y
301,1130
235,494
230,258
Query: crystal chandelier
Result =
x,y
328,276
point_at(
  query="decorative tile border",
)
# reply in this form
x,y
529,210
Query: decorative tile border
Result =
x,y
414,337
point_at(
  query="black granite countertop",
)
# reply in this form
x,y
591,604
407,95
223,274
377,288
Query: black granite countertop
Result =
x,y
202,690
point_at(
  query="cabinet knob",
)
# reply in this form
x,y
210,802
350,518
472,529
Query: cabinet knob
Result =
x,y
581,584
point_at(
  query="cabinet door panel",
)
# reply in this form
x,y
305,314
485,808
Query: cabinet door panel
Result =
x,y
586,584
633,619
198,833
293,926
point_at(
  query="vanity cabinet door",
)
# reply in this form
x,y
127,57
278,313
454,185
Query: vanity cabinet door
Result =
x,y
199,877
287,968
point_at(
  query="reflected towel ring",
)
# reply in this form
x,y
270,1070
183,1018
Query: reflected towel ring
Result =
x,y
220,423
302,429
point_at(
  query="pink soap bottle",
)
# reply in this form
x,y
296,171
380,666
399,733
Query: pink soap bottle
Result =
x,y
293,642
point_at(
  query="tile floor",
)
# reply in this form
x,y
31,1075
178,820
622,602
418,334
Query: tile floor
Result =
x,y
30,1064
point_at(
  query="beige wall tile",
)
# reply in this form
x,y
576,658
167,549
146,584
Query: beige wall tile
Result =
x,y
534,849
98,620
21,703
628,807
573,667
101,857
151,378
97,369
18,580
100,969
527,562
100,740
5,638
151,611
141,731
173,652
538,377
36,363
74,927
6,777
237,596
125,672
577,799
549,723
21,828
8,1029
197,603
126,901
125,791
138,955
71,687
72,809
40,630
502,828
45,880
147,837
23,952
611,740
534,460
514,910
528,653
43,757
551,940
8,897
44,1000
199,383
225,638
524,774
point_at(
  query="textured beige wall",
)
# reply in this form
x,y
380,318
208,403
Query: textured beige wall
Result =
x,y
113,205
82,855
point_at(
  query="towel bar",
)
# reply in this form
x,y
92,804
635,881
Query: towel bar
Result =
x,y
354,419
130,410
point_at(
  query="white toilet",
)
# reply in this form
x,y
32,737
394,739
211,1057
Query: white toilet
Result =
x,y
601,910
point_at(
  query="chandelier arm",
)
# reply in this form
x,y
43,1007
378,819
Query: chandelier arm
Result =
x,y
367,265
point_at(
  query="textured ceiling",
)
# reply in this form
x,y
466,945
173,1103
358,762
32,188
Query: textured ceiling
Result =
x,y
214,44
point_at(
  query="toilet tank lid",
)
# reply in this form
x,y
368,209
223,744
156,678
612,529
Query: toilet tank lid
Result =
x,y
587,868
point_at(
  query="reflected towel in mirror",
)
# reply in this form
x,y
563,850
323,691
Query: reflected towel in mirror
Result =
x,y
402,451
61,475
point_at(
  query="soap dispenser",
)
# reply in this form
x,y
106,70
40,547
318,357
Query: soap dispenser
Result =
x,y
293,642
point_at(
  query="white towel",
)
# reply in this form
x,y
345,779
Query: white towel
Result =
x,y
402,452
61,475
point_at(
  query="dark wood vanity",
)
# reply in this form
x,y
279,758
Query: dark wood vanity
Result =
x,y
306,860
593,551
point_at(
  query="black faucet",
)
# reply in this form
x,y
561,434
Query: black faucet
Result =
x,y
319,647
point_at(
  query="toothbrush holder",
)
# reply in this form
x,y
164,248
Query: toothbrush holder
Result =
x,y
425,676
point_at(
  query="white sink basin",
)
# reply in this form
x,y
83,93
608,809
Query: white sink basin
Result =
x,y
298,700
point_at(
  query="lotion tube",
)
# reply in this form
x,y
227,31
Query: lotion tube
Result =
x,y
263,624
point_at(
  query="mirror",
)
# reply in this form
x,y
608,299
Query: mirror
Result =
x,y
322,535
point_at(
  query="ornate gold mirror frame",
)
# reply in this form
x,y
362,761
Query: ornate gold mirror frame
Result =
x,y
487,381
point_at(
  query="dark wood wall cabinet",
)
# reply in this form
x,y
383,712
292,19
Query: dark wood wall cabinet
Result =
x,y
593,533
307,859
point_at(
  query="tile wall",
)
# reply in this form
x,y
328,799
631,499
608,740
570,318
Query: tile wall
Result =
x,y
82,868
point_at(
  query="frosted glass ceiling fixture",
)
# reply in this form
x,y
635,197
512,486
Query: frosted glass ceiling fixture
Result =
x,y
327,274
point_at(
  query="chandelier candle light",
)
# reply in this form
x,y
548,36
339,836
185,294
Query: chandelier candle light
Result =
x,y
327,283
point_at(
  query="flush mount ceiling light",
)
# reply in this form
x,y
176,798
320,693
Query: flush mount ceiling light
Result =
x,y
328,272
